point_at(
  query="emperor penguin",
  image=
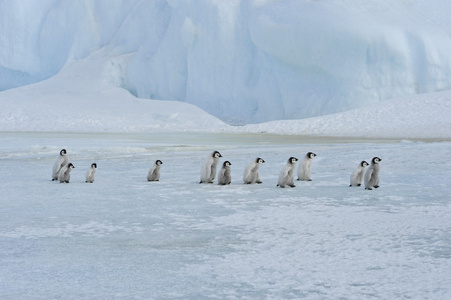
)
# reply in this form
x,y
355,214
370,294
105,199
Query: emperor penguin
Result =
x,y
62,160
305,167
372,174
64,175
224,176
154,172
91,173
357,175
250,174
286,176
208,170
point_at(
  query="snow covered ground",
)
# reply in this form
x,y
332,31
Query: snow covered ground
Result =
x,y
124,237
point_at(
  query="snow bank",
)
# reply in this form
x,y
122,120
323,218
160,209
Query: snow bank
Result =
x,y
83,98
422,116
241,61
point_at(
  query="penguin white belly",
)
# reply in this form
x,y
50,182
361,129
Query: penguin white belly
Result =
x,y
304,171
90,175
64,175
154,174
251,175
60,162
372,177
286,177
357,177
208,172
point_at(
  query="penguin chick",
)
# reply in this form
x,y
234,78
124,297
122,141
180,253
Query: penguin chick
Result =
x,y
372,174
62,160
286,176
154,172
208,170
250,174
224,176
91,173
357,175
305,167
64,175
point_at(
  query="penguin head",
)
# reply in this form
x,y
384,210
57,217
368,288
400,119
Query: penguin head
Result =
x,y
364,163
226,164
63,152
292,160
311,155
259,160
376,160
216,154
70,166
158,162
94,165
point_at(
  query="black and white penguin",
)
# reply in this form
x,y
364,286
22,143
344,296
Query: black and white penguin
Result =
x,y
208,170
286,176
305,167
62,160
64,175
372,174
357,175
250,174
154,172
224,175
91,173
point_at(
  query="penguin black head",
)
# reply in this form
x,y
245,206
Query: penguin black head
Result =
x,y
158,162
363,163
311,154
259,160
376,160
94,165
63,152
226,164
292,160
216,154
70,166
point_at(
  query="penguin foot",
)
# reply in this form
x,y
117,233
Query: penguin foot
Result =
x,y
376,186
258,182
368,189
292,185
359,184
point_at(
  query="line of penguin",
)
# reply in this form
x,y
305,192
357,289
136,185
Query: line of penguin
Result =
x,y
62,168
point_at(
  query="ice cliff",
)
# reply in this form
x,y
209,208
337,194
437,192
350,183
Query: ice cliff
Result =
x,y
242,61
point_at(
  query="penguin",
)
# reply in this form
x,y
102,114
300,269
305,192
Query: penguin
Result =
x,y
357,175
224,176
286,176
208,170
64,175
250,174
305,167
91,173
154,172
372,174
62,160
